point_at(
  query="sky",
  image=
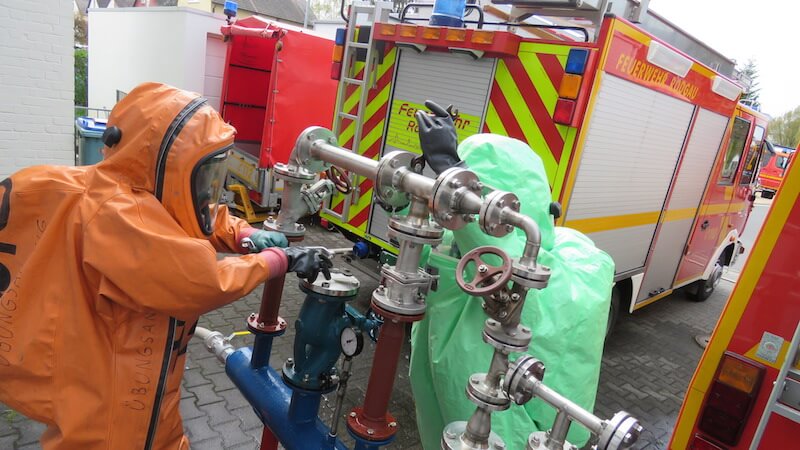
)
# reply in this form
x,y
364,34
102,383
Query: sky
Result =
x,y
767,31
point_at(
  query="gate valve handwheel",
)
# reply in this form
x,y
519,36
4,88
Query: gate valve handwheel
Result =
x,y
488,278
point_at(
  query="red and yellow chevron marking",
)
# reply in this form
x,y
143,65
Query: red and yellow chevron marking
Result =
x,y
522,101
374,119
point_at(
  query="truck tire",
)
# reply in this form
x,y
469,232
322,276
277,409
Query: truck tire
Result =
x,y
767,194
702,289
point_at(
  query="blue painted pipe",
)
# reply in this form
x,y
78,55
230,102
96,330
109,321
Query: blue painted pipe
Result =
x,y
291,415
363,444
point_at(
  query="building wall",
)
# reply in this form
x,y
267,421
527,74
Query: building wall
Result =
x,y
36,84
208,6
327,28
129,46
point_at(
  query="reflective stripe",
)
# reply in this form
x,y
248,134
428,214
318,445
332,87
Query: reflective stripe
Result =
x,y
522,101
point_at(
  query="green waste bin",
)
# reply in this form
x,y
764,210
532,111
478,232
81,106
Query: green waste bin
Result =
x,y
89,140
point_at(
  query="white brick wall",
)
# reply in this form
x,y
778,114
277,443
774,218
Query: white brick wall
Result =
x,y
36,84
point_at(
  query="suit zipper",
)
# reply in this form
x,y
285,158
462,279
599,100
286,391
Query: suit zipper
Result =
x,y
166,144
162,386
169,138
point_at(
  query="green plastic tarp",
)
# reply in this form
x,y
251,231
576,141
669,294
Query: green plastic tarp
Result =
x,y
568,318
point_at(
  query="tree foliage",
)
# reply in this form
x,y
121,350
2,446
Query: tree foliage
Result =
x,y
785,130
750,97
81,29
325,9
81,76
330,9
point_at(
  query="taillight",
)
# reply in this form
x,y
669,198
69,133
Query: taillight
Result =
x,y
338,53
336,70
730,398
564,111
698,443
570,86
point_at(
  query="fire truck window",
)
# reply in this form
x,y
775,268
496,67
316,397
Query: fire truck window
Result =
x,y
767,154
756,145
734,153
782,162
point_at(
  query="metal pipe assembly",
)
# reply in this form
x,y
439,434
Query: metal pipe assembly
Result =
x,y
288,403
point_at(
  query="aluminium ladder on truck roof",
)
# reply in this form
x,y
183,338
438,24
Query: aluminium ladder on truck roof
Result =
x,y
377,12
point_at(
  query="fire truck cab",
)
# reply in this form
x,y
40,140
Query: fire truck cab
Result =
x,y
774,165
745,392
645,144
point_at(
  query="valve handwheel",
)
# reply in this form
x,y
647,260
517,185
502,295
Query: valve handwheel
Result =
x,y
488,278
340,180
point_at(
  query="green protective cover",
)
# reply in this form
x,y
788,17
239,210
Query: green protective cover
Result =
x,y
568,318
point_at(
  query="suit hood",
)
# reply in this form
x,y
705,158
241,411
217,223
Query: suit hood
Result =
x,y
166,133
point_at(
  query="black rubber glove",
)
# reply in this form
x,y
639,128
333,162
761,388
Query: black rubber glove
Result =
x,y
437,137
308,262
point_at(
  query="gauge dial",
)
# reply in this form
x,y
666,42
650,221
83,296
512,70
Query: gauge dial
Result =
x,y
351,341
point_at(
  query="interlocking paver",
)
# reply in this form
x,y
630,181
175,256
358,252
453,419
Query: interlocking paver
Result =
x,y
198,430
647,365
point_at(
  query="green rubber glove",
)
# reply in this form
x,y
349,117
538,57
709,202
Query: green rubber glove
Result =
x,y
266,239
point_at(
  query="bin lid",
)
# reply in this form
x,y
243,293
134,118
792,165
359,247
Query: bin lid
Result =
x,y
90,126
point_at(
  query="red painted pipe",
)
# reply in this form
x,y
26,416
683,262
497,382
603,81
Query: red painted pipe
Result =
x,y
384,369
373,421
268,440
271,302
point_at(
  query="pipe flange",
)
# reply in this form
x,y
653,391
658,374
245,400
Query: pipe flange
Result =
x,y
382,300
491,220
537,441
295,230
621,432
452,439
388,166
530,277
293,173
482,395
514,340
518,377
426,233
342,286
302,154
450,187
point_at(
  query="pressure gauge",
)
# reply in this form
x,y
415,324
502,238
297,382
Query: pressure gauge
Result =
x,y
351,341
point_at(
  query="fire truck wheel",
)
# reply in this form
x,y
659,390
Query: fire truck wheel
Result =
x,y
702,289
767,194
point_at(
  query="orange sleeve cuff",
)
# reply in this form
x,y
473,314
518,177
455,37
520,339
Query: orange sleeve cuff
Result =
x,y
276,260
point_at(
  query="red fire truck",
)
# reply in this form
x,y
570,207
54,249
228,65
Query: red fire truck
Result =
x,y
273,88
745,392
773,168
646,147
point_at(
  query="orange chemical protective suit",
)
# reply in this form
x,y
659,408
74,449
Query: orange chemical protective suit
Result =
x,y
104,271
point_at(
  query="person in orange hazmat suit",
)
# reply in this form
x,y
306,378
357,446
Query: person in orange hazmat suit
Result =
x,y
105,269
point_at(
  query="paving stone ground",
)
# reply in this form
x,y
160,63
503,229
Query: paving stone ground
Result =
x,y
647,365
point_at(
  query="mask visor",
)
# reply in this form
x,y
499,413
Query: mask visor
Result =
x,y
208,182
